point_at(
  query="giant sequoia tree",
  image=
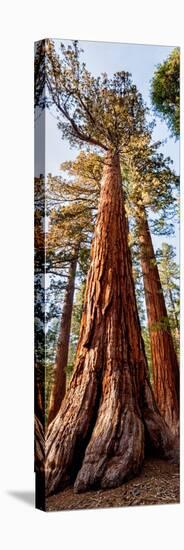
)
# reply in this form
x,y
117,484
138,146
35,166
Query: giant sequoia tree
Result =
x,y
109,415
164,357
151,188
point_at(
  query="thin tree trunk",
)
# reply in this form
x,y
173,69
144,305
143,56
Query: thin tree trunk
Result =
x,y
109,414
164,359
59,383
176,331
174,310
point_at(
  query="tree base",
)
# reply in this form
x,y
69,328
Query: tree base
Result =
x,y
112,447
118,460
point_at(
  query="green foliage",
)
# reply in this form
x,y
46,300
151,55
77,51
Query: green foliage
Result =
x,y
165,91
162,324
149,174
151,185
170,277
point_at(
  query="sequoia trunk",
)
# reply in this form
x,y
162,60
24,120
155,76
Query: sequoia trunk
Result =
x,y
164,359
59,384
109,413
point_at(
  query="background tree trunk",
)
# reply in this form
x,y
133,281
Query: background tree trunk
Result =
x,y
173,309
39,401
59,383
109,414
164,359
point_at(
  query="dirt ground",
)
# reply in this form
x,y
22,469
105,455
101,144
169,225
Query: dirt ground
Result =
x,y
158,483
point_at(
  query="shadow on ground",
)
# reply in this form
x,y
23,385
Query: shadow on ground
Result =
x,y
28,497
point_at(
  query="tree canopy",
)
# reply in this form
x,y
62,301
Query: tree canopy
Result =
x,y
99,111
165,91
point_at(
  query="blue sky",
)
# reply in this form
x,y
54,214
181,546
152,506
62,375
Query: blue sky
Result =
x,y
140,61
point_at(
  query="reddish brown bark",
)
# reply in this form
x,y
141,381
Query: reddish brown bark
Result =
x,y
164,359
39,443
59,383
39,419
39,401
39,463
109,413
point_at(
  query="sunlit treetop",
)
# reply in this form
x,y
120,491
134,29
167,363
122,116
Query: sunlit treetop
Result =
x,y
79,183
97,111
86,169
72,203
151,181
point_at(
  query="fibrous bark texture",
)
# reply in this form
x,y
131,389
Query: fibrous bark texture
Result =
x,y
59,383
109,413
39,406
39,463
39,441
164,359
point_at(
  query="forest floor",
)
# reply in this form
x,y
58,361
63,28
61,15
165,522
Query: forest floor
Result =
x,y
158,483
